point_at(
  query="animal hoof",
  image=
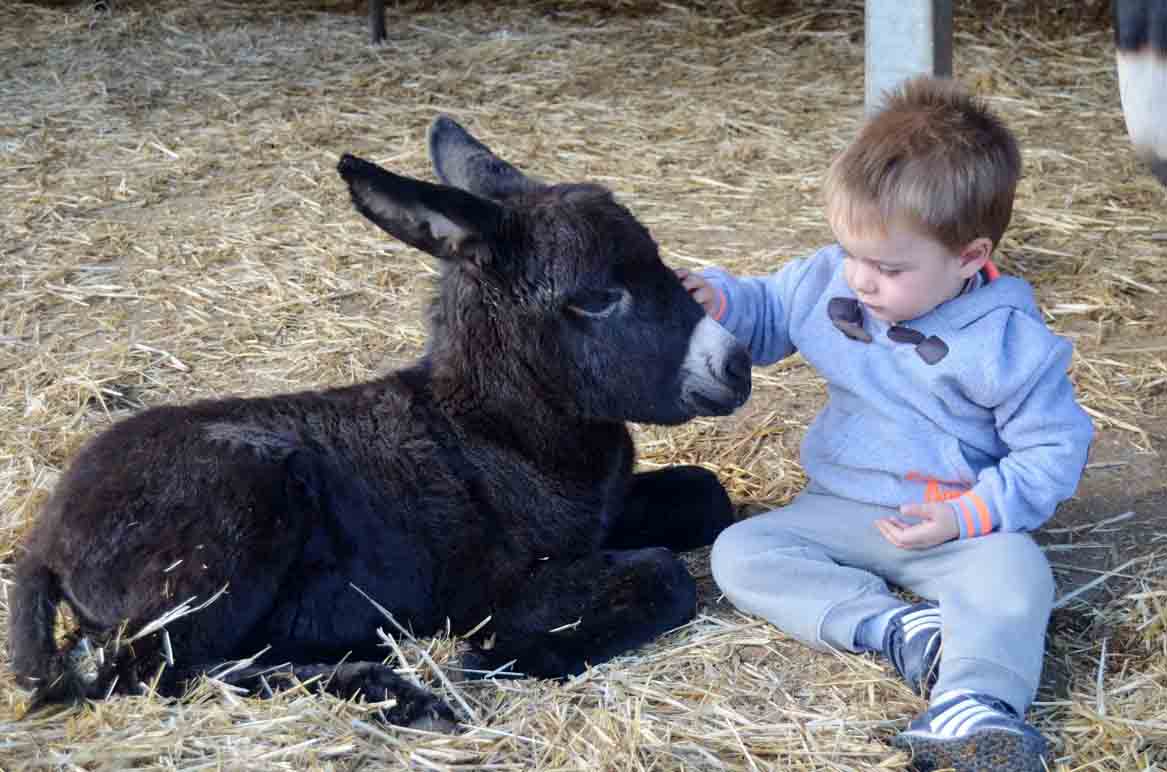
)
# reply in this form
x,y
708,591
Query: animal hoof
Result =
x,y
413,706
432,723
423,711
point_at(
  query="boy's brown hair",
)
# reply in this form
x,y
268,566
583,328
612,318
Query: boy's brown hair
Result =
x,y
933,158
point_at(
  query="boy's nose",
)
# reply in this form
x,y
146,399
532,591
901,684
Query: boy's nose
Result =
x,y
865,281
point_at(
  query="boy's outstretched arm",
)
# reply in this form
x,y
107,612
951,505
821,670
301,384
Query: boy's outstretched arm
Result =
x,y
758,310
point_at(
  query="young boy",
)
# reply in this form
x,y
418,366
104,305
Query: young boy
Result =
x,y
950,430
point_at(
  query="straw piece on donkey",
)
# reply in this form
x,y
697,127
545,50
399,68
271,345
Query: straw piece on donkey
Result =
x,y
493,478
1140,33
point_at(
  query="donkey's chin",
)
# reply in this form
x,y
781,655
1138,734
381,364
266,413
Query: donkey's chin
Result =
x,y
685,407
718,403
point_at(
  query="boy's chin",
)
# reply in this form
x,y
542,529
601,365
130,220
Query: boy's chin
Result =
x,y
896,316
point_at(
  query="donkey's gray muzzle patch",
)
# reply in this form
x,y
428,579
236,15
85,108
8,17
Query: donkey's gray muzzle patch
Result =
x,y
715,378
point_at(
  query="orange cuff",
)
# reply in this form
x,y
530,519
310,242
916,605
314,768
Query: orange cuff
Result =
x,y
972,515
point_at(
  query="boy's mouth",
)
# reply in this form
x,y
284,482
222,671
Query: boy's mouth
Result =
x,y
881,313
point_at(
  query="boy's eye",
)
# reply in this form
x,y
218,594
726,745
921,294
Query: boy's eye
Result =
x,y
890,271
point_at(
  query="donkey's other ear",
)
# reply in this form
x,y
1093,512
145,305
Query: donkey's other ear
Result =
x,y
446,222
462,161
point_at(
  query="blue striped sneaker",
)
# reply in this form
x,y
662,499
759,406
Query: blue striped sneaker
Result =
x,y
911,643
970,732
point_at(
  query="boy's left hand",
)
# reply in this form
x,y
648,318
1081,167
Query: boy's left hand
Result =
x,y
938,526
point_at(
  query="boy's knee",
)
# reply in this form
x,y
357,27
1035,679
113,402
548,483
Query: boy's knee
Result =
x,y
736,548
726,553
1018,578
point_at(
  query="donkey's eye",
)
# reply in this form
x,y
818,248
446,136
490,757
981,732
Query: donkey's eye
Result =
x,y
597,303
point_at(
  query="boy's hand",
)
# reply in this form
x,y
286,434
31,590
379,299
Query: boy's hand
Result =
x,y
699,289
938,527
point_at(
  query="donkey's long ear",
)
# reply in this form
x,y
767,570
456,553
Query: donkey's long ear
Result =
x,y
464,162
446,222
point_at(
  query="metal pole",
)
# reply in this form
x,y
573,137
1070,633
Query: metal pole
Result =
x,y
905,38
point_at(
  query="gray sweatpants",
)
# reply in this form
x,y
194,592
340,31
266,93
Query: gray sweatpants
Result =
x,y
818,567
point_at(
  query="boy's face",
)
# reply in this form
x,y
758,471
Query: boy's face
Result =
x,y
900,274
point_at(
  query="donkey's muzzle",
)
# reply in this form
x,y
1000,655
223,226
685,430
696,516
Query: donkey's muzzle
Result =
x,y
716,374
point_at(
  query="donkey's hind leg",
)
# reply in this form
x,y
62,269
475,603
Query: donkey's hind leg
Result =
x,y
128,659
680,507
571,614
156,663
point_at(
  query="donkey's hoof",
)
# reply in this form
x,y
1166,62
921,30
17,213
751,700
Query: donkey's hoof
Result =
x,y
425,711
432,723
412,706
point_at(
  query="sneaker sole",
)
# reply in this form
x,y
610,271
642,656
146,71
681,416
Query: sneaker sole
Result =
x,y
987,751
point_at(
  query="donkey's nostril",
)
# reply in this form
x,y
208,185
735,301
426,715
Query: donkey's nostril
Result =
x,y
737,366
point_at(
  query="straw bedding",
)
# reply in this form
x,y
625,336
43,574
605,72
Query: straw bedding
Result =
x,y
173,229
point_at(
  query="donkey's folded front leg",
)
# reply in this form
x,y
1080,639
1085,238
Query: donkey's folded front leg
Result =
x,y
680,507
572,614
411,706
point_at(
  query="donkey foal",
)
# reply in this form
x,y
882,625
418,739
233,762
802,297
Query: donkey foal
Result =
x,y
493,478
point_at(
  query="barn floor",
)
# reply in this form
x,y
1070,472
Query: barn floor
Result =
x,y
173,228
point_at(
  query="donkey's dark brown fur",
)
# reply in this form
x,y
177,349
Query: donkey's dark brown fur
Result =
x,y
491,479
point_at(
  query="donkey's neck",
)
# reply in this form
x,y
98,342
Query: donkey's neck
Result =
x,y
511,417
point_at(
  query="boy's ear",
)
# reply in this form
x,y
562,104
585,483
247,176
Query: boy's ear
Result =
x,y
974,256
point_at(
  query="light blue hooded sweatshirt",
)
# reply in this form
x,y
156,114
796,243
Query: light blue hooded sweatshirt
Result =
x,y
991,426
